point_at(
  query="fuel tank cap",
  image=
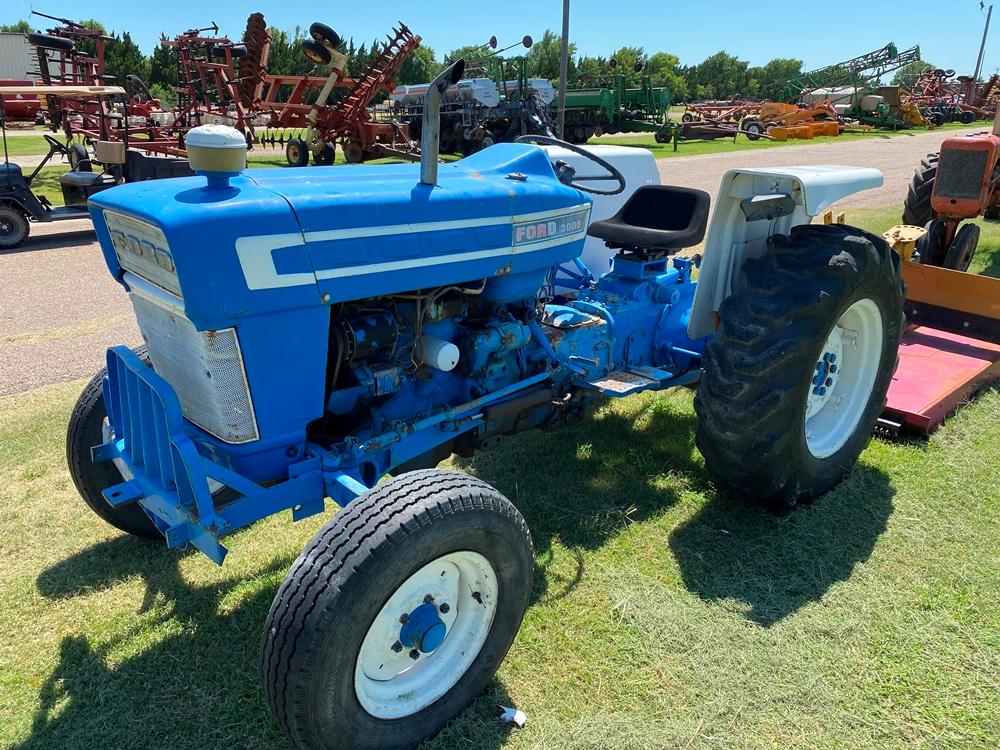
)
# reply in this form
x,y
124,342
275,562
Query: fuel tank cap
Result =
x,y
218,152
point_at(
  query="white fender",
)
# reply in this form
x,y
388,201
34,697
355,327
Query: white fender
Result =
x,y
732,238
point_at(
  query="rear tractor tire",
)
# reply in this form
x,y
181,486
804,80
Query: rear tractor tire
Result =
x,y
85,431
797,374
397,614
917,206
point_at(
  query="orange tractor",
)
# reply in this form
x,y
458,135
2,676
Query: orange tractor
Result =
x,y
960,182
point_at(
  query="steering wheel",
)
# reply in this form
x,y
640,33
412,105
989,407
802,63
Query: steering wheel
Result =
x,y
572,179
54,144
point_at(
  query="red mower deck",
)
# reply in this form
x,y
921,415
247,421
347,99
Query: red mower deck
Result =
x,y
938,372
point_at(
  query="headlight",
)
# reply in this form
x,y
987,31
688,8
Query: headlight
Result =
x,y
142,248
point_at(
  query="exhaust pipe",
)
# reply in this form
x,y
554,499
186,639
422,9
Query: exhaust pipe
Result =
x,y
430,127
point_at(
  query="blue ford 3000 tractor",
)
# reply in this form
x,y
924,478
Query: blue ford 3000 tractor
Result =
x,y
310,331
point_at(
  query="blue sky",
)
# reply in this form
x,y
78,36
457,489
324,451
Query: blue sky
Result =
x,y
948,31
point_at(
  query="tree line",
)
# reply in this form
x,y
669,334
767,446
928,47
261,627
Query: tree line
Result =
x,y
719,76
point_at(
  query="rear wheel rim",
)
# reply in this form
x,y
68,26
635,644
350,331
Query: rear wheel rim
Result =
x,y
458,591
843,378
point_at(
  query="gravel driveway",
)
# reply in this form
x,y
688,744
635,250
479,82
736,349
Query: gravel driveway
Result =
x,y
60,309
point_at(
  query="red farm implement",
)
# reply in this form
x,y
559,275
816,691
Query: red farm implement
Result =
x,y
337,108
73,55
219,81
943,98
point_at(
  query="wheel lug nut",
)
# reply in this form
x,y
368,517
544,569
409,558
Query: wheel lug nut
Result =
x,y
833,368
829,382
822,391
414,654
403,618
444,608
428,599
397,647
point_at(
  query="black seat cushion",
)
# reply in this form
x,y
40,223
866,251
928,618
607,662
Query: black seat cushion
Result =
x,y
657,217
11,172
85,179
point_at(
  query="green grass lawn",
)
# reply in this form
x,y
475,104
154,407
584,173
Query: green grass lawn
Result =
x,y
29,145
46,182
664,615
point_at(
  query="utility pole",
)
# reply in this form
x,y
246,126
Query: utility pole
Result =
x,y
982,47
564,69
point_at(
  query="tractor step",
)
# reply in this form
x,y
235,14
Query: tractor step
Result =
x,y
624,382
938,372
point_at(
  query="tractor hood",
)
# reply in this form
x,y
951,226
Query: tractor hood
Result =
x,y
284,238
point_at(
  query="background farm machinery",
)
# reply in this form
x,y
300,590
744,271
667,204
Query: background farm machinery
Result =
x,y
951,347
133,138
615,103
74,55
218,81
337,108
496,102
943,98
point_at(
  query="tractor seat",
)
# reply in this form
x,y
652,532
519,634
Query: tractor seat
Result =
x,y
11,172
656,217
85,179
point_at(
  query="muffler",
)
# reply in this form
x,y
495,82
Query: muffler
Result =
x,y
430,127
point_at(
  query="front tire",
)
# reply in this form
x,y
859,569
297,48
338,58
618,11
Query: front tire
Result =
x,y
752,129
325,156
14,227
963,248
85,431
296,152
776,421
397,614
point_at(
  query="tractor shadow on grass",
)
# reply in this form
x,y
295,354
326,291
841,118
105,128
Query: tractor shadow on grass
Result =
x,y
182,670
586,483
772,565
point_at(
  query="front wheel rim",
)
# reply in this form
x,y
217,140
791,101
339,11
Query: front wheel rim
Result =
x,y
426,636
843,378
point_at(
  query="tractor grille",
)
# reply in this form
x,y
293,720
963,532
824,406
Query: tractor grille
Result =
x,y
205,368
960,174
